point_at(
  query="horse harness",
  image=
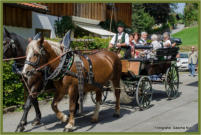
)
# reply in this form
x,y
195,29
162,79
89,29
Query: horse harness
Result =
x,y
65,64
10,43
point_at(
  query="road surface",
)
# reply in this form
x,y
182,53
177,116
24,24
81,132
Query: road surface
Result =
x,y
178,115
178,28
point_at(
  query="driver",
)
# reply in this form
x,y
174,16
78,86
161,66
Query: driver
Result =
x,y
120,39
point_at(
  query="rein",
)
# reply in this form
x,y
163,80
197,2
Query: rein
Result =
x,y
53,60
22,57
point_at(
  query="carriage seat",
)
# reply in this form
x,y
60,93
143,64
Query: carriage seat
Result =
x,y
167,53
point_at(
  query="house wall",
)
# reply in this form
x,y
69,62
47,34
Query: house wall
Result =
x,y
122,12
40,21
96,11
13,16
43,21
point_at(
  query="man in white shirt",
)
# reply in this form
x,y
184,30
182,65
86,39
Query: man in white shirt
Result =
x,y
143,39
120,39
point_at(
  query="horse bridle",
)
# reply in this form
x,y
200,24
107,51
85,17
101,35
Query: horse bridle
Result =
x,y
35,65
10,44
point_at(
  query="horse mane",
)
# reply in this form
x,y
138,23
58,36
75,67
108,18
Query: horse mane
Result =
x,y
56,47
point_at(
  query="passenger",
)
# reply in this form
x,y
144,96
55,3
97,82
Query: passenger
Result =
x,y
167,43
156,45
119,40
132,45
143,39
136,41
166,40
136,38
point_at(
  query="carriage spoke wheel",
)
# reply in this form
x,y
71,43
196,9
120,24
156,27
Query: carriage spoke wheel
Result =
x,y
104,96
144,92
172,82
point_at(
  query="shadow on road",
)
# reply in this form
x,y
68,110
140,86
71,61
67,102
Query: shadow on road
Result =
x,y
195,84
194,128
105,116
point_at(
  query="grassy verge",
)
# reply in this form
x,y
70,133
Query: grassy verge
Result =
x,y
189,36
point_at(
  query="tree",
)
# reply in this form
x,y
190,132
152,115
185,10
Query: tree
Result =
x,y
160,12
190,13
63,25
141,21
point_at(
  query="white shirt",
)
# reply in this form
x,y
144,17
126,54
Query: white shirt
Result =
x,y
167,43
156,45
142,41
119,38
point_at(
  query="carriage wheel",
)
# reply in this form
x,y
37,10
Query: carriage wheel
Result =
x,y
104,96
144,92
172,82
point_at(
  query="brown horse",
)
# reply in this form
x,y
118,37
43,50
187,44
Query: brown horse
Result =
x,y
106,67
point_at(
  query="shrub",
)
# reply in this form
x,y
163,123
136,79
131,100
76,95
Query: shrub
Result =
x,y
97,43
13,92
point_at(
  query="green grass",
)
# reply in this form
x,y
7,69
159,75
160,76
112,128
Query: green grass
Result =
x,y
189,36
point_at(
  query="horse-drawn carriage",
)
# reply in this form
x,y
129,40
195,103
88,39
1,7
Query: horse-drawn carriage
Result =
x,y
138,75
72,70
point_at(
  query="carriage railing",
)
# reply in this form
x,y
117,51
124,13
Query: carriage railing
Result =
x,y
161,53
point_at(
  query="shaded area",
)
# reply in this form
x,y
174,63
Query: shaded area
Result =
x,y
194,128
195,84
81,121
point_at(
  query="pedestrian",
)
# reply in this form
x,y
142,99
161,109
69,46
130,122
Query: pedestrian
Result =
x,y
192,61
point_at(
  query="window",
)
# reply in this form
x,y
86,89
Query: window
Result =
x,y
45,32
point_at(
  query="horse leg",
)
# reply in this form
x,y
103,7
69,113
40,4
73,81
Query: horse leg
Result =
x,y
116,85
73,95
57,98
37,110
23,120
96,111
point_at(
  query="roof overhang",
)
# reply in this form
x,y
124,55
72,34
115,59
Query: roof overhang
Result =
x,y
30,6
96,29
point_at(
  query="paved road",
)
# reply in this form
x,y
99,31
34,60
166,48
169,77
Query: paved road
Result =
x,y
176,115
179,27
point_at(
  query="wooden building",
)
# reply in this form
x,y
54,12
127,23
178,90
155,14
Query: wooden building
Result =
x,y
32,17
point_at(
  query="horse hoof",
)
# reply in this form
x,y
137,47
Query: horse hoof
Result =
x,y
116,115
64,118
68,130
20,129
36,122
94,120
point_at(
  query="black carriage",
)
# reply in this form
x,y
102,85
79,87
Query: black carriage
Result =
x,y
138,75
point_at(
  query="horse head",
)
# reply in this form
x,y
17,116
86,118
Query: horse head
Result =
x,y
13,45
9,45
38,53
